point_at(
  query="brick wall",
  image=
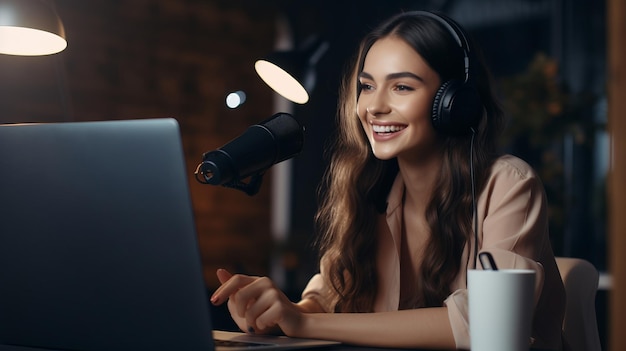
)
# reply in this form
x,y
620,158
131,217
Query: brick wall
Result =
x,y
163,58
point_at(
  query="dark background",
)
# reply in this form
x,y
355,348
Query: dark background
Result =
x,y
164,58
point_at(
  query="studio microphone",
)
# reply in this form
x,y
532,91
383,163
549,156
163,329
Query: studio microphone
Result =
x,y
262,145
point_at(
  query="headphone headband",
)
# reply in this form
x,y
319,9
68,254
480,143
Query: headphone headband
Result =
x,y
457,34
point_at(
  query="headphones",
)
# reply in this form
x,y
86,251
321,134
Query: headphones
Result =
x,y
457,107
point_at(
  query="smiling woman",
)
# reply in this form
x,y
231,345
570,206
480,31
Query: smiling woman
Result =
x,y
414,191
396,79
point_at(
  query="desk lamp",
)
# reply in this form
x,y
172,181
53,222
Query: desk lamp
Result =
x,y
292,73
30,28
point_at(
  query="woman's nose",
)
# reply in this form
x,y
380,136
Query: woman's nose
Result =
x,y
377,105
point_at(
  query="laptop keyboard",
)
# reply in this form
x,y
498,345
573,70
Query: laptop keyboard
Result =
x,y
231,343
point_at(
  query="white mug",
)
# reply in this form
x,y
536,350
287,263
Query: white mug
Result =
x,y
501,304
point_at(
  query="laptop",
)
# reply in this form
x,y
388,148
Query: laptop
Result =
x,y
98,245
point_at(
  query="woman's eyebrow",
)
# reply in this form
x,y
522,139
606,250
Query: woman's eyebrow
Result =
x,y
366,75
404,75
392,76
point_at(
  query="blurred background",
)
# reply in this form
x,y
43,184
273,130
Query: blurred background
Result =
x,y
164,58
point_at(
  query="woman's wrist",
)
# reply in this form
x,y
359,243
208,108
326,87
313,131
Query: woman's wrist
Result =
x,y
309,306
306,327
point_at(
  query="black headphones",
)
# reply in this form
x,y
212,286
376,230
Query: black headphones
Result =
x,y
457,107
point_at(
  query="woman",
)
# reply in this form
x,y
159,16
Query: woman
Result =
x,y
414,190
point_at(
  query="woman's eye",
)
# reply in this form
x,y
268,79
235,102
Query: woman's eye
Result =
x,y
365,86
402,87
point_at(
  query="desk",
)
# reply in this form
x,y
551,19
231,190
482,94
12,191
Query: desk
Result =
x,y
331,348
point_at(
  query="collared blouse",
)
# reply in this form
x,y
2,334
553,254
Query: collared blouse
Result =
x,y
512,226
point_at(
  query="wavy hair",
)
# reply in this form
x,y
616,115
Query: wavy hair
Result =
x,y
356,184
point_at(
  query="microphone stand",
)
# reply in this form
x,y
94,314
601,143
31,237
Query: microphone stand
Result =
x,y
250,188
203,176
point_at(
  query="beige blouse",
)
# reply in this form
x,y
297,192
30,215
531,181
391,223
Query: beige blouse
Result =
x,y
512,226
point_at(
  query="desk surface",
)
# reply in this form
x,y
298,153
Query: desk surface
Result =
x,y
330,348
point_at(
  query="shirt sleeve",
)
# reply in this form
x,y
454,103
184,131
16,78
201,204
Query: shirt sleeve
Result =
x,y
514,231
316,290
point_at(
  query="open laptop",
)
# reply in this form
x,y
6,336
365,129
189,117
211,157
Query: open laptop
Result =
x,y
98,246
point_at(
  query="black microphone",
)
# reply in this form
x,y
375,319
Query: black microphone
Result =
x,y
262,145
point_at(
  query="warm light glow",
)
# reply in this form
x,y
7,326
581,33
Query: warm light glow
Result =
x,y
29,42
283,83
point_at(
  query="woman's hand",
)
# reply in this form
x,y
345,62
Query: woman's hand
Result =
x,y
256,304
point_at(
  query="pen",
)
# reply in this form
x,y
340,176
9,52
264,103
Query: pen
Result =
x,y
487,261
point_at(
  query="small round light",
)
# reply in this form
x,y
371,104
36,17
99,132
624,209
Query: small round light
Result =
x,y
235,99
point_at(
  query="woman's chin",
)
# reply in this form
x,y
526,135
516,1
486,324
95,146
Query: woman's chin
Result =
x,y
384,155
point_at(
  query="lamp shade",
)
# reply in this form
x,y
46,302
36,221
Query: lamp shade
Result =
x,y
292,73
30,28
281,72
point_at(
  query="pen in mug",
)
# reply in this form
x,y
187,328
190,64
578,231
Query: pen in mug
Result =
x,y
487,261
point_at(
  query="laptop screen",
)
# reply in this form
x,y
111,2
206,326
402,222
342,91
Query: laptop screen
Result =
x,y
98,247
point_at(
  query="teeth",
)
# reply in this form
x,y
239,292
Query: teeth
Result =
x,y
386,129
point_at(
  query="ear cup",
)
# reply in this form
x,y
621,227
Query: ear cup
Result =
x,y
456,108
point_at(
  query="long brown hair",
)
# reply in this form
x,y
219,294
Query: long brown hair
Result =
x,y
356,183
